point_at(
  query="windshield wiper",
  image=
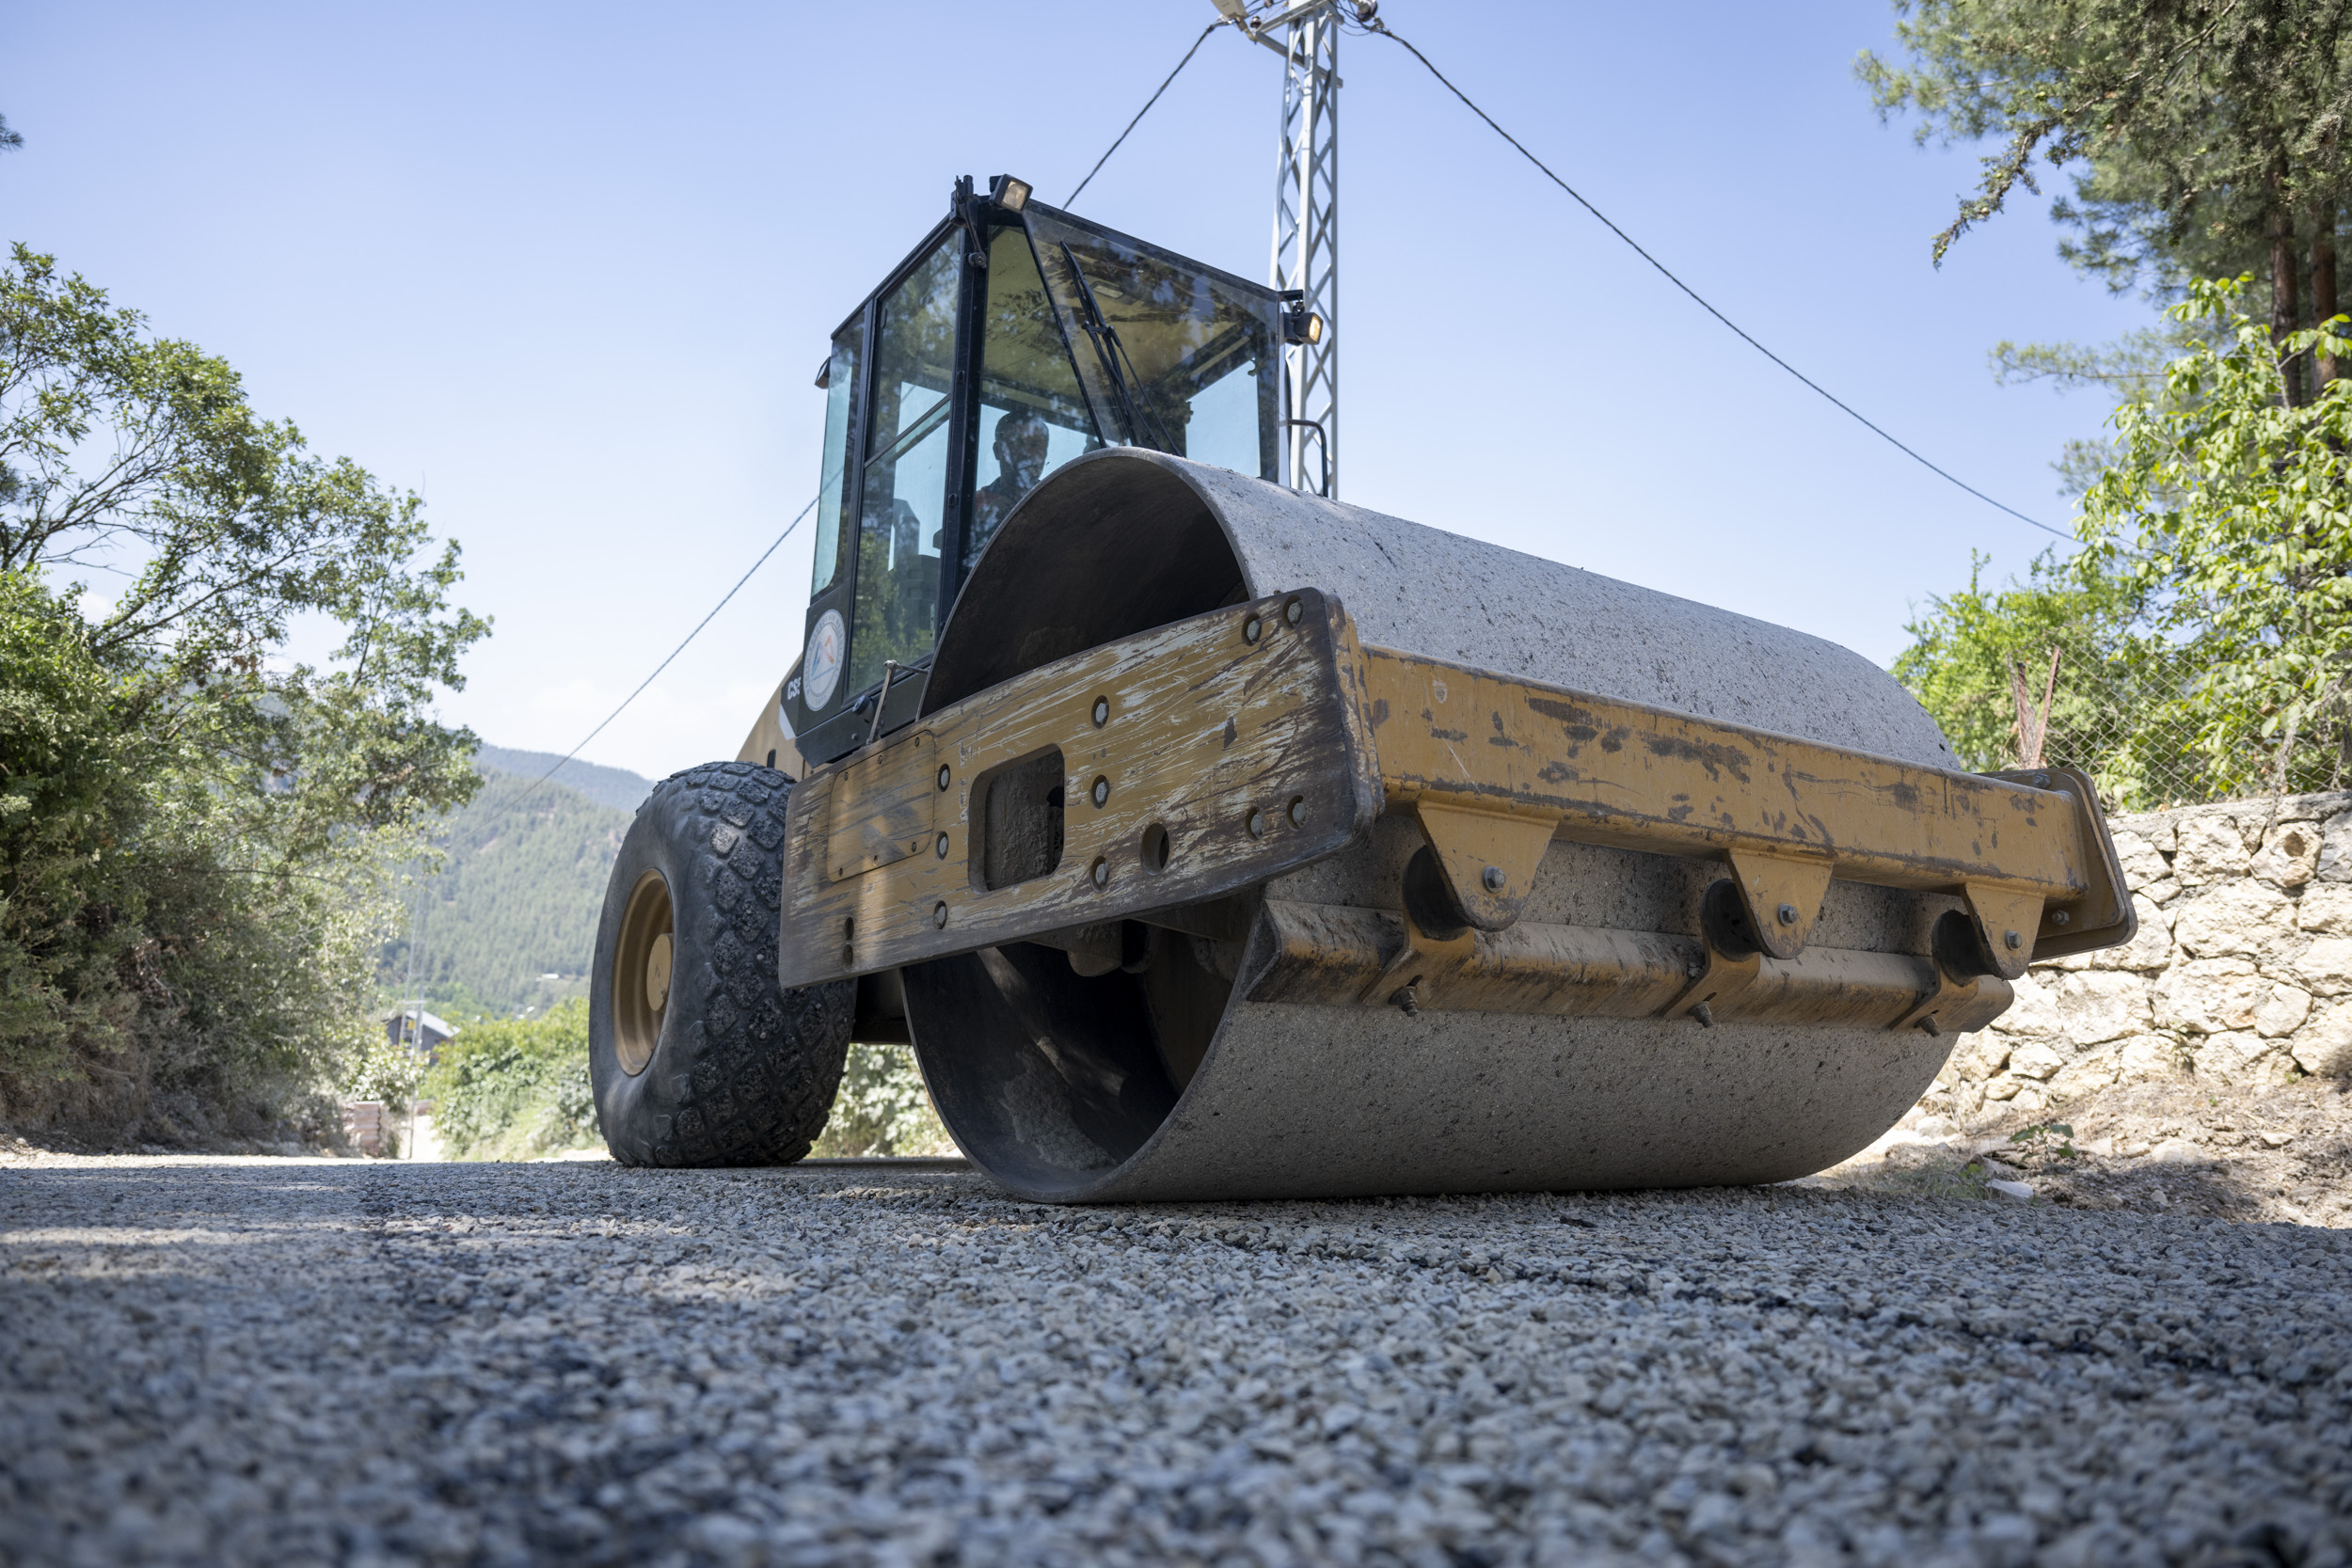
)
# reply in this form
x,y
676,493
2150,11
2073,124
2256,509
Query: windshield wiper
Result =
x,y
1110,351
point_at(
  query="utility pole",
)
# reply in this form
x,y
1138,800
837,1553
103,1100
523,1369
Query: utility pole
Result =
x,y
1307,222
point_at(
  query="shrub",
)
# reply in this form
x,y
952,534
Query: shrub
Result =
x,y
2204,631
882,1108
514,1089
68,809
198,836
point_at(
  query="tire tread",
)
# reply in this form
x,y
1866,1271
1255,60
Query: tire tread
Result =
x,y
756,1068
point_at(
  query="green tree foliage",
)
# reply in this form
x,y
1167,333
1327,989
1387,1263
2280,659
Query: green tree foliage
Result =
x,y
2191,120
200,832
882,1108
2131,366
2110,710
386,1071
2227,521
2206,135
514,1089
1962,650
68,902
2205,629
509,1089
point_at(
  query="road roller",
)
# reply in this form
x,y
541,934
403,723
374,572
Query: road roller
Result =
x,y
1211,838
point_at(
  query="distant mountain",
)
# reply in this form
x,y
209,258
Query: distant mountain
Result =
x,y
616,787
509,922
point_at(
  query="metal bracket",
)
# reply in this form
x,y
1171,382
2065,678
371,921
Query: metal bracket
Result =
x,y
2105,917
1788,815
1783,896
1731,963
1256,28
1959,988
1338,955
1421,958
2005,925
1323,446
1489,857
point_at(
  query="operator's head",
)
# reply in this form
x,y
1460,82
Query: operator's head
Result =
x,y
1021,439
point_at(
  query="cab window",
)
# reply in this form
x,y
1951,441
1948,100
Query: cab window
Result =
x,y
903,506
1172,355
832,497
1033,413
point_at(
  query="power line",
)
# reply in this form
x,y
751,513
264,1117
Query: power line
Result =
x,y
805,510
1146,108
1382,28
730,593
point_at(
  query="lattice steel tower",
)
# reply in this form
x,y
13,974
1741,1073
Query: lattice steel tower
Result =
x,y
1307,239
1307,221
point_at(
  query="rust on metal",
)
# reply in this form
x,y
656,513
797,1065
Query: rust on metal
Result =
x,y
1170,771
1787,814
1333,954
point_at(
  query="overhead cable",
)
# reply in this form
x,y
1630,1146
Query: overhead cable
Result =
x,y
730,593
1145,109
1383,29
805,510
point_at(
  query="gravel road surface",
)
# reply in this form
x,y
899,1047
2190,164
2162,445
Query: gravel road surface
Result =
x,y
281,1361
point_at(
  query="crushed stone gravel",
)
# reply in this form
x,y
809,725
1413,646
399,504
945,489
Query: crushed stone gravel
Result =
x,y
279,1361
2168,1147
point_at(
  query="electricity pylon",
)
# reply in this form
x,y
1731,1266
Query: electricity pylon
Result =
x,y
1305,263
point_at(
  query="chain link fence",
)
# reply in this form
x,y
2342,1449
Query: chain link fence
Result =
x,y
2122,710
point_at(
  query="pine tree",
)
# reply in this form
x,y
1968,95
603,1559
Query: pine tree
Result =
x,y
2205,136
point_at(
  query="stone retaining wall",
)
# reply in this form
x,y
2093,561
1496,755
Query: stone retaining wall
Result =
x,y
2241,973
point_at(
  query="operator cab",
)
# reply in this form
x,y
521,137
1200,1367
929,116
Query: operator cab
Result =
x,y
1012,339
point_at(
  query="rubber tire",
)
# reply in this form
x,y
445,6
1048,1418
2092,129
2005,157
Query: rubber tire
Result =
x,y
743,1073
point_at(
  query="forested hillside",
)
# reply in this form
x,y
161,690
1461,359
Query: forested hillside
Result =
x,y
616,787
517,898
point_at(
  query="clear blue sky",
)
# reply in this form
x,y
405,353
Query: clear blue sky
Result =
x,y
567,271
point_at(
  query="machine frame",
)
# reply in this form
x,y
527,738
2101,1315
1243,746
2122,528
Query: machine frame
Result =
x,y
1214,754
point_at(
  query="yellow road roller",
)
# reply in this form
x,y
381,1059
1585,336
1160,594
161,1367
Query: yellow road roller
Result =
x,y
1209,839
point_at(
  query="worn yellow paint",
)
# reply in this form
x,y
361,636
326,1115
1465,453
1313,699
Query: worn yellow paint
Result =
x,y
1245,749
2007,920
883,807
1782,894
1790,814
1212,734
1471,838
